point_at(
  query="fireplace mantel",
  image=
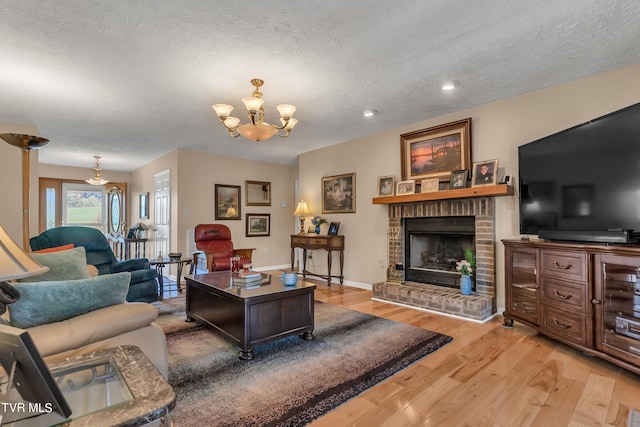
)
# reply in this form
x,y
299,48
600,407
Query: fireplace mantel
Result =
x,y
461,193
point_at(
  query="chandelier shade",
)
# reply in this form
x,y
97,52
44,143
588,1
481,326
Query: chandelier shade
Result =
x,y
257,129
97,179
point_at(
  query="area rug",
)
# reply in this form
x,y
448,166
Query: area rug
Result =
x,y
290,382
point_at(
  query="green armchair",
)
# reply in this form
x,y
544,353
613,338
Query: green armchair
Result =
x,y
144,280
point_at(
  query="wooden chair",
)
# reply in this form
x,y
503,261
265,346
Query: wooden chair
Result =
x,y
213,241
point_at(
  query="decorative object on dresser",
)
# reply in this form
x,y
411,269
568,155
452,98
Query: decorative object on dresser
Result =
x,y
333,229
550,287
339,193
435,152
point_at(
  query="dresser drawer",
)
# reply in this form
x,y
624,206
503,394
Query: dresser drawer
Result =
x,y
565,265
569,296
564,326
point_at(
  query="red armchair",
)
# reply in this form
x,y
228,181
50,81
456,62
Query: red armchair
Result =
x,y
214,242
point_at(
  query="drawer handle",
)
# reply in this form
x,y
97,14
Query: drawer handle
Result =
x,y
561,267
561,325
559,295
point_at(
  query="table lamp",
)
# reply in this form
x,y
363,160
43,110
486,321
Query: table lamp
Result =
x,y
302,210
14,264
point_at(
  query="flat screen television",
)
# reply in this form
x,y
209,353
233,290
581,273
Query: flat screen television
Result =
x,y
583,184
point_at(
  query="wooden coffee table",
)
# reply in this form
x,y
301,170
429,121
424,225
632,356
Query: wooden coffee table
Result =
x,y
250,315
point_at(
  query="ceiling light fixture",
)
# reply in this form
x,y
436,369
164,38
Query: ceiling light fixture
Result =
x,y
450,85
370,113
256,129
97,179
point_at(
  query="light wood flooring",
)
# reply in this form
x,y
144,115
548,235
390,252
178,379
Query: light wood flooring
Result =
x,y
488,376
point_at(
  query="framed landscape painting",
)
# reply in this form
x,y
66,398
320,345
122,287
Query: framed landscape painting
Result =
x,y
258,225
339,193
227,201
437,151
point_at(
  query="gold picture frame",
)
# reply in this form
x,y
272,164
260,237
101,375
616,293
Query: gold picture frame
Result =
x,y
405,187
429,185
386,185
436,151
339,193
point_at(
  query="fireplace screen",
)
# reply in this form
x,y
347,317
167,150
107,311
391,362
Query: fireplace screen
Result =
x,y
434,245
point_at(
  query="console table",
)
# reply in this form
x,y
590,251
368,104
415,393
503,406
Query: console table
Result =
x,y
314,241
136,246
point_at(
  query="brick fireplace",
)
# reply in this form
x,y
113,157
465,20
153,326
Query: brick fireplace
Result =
x,y
479,306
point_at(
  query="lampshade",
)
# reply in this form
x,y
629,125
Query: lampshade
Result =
x,y
97,179
14,262
302,209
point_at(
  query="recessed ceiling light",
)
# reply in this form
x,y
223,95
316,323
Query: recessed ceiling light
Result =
x,y
450,85
370,113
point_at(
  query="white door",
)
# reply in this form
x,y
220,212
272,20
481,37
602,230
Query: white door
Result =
x,y
161,217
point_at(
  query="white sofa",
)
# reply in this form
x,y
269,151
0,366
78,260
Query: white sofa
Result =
x,y
127,323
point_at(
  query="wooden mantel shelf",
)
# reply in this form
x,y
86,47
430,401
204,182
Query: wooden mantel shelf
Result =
x,y
461,193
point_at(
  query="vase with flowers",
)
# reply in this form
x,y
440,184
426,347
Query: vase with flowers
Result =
x,y
466,267
318,221
141,230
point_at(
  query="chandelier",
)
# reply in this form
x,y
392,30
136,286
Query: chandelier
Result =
x,y
256,129
97,179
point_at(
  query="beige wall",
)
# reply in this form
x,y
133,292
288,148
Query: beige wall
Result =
x,y
11,183
193,179
498,129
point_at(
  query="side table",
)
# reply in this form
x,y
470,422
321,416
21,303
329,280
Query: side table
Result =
x,y
136,247
179,262
126,389
314,241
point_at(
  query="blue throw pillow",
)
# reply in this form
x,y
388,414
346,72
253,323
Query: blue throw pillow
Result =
x,y
54,301
64,265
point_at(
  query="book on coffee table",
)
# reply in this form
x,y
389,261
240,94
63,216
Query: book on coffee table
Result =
x,y
252,278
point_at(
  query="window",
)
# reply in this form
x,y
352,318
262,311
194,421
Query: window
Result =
x,y
83,204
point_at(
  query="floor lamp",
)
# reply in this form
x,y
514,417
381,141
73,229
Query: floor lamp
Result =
x,y
26,143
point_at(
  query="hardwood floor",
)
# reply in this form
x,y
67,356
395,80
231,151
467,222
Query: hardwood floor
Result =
x,y
488,376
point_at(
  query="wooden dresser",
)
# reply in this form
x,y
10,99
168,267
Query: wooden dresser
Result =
x,y
586,296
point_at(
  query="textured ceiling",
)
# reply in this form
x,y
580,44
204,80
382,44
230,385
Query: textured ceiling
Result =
x,y
132,80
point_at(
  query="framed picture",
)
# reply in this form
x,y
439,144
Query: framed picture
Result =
x,y
435,152
458,179
144,205
386,185
258,225
405,187
333,228
429,185
132,234
311,229
339,193
485,173
257,193
227,201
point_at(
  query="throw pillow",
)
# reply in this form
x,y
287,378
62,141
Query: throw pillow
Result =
x,y
66,265
54,301
55,249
